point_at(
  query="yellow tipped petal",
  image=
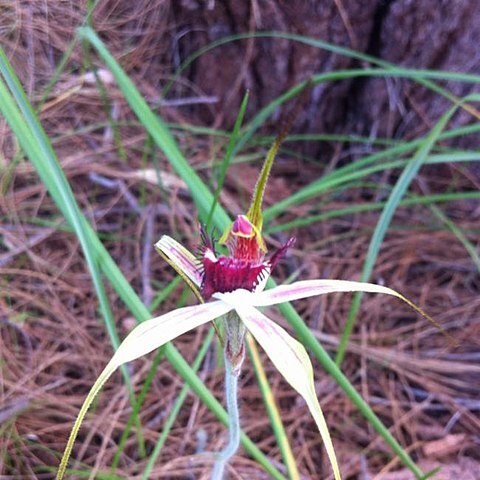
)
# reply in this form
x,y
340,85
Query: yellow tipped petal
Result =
x,y
183,260
292,361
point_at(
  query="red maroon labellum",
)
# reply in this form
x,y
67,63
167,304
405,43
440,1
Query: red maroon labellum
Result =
x,y
225,274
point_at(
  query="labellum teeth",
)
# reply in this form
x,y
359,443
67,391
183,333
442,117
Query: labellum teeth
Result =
x,y
226,274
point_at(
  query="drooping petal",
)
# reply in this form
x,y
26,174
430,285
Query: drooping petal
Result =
x,y
183,261
292,361
141,340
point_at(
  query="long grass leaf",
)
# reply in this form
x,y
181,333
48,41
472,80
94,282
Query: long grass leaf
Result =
x,y
330,47
423,77
457,231
24,123
369,207
34,141
401,186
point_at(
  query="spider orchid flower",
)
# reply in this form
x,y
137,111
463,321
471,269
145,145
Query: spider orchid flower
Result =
x,y
237,283
226,285
232,287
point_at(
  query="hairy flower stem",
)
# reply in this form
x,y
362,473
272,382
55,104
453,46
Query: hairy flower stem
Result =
x,y
231,387
234,355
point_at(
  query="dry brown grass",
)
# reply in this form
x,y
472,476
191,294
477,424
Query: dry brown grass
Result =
x,y
53,344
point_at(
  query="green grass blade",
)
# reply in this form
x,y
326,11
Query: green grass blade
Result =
x,y
34,141
25,124
404,181
228,157
330,47
369,207
469,247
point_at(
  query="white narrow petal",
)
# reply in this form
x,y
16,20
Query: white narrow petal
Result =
x,y
292,361
180,258
155,332
311,288
141,340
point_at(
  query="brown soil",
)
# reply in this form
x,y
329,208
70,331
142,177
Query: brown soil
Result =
x,y
52,341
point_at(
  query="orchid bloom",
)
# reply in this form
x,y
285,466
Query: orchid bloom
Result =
x,y
233,287
234,283
237,283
